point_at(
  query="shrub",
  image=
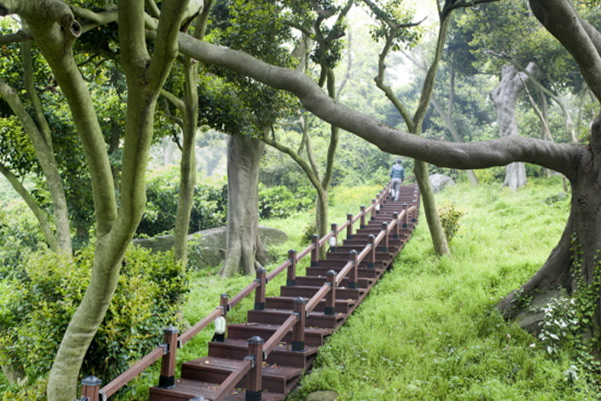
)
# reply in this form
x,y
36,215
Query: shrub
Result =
x,y
19,235
449,218
280,202
38,305
162,191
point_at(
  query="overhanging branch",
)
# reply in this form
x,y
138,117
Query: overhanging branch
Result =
x,y
499,152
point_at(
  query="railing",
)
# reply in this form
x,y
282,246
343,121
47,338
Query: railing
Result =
x,y
258,349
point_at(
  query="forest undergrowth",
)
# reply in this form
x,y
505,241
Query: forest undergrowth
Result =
x,y
430,331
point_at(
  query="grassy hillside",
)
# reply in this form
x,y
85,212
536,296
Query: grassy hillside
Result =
x,y
430,331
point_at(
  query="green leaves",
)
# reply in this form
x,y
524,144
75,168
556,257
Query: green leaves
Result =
x,y
38,303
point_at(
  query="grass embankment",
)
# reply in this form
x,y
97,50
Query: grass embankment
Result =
x,y
207,286
430,331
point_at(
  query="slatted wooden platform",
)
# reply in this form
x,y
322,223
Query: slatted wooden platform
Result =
x,y
265,357
283,368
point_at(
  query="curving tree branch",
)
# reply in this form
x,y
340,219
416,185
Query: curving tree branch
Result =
x,y
579,38
499,152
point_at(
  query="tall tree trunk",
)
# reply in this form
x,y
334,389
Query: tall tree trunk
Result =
x,y
244,157
45,156
321,216
41,139
414,124
39,214
439,241
573,264
505,98
188,162
457,137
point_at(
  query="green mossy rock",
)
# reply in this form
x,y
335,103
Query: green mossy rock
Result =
x,y
207,247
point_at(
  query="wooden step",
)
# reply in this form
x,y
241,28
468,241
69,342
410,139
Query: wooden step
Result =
x,y
382,257
276,378
308,291
186,389
323,266
281,355
313,319
381,252
313,335
362,282
358,240
342,305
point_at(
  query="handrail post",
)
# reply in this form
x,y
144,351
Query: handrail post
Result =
x,y
90,388
220,321
334,239
315,251
260,291
373,209
254,382
330,309
354,274
406,207
167,377
224,304
395,216
384,247
372,254
298,331
291,274
362,224
349,228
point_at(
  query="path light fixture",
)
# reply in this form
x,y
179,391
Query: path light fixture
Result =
x,y
220,324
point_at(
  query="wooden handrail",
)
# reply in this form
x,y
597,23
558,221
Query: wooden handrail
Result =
x,y
342,273
305,252
380,237
131,373
192,331
243,294
314,301
325,238
279,334
278,270
228,384
364,253
343,226
112,387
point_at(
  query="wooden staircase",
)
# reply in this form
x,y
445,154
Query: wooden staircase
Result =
x,y
265,357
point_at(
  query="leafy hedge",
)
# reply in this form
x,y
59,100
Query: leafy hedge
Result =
x,y
280,202
162,192
16,235
38,302
210,203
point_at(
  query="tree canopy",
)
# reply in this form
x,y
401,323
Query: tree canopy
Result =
x,y
135,43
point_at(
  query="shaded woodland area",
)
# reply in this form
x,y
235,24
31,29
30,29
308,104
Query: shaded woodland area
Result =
x,y
265,107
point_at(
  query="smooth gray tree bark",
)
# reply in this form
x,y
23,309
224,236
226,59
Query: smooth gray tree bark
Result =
x,y
244,245
580,164
505,98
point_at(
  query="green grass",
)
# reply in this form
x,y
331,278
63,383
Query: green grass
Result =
x,y
430,331
207,286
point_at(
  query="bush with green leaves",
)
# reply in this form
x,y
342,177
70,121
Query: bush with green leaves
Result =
x,y
19,235
449,218
280,202
162,191
37,304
